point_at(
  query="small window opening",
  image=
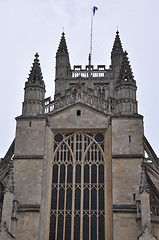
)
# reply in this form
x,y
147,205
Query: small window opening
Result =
x,y
129,139
134,197
30,123
78,112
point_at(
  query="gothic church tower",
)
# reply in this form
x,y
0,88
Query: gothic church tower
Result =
x,y
77,169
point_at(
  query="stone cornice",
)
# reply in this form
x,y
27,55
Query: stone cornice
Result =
x,y
18,157
127,156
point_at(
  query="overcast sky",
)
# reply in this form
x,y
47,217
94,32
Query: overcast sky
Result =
x,y
30,26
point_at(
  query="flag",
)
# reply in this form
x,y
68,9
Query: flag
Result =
x,y
94,10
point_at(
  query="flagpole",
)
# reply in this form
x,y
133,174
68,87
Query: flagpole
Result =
x,y
91,40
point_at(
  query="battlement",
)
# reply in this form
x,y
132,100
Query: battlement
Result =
x,y
100,71
88,97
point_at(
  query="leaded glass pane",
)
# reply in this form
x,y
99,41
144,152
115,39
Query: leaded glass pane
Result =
x,y
93,173
54,198
86,173
62,173
69,199
77,228
86,199
61,199
78,173
85,227
101,227
101,174
93,199
55,174
94,227
60,228
77,199
52,227
69,173
68,228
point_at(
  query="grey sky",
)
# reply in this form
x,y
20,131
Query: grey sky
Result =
x,y
30,26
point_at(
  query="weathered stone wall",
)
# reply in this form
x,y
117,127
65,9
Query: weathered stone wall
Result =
x,y
125,226
89,118
127,154
28,172
27,226
29,137
127,135
126,180
28,180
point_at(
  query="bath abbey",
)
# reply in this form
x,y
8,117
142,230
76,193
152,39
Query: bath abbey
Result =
x,y
80,166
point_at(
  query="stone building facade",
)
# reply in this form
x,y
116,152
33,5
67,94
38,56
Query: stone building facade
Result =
x,y
80,167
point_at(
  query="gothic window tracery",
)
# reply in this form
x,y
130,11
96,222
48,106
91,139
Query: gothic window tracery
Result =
x,y
77,200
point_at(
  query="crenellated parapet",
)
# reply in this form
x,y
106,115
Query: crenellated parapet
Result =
x,y
78,94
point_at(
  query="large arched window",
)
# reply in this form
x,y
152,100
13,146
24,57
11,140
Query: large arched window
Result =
x,y
77,199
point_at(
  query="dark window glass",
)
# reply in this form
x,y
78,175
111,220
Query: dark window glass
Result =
x,y
69,199
64,156
78,112
52,227
80,146
86,199
101,199
55,146
102,146
101,227
86,174
62,173
99,137
58,156
93,173
69,173
93,199
77,198
85,227
99,156
80,137
101,174
76,139
60,228
88,155
55,174
72,146
92,154
76,155
95,155
80,156
68,156
77,228
61,155
54,199
68,228
78,173
61,199
94,227
58,138
85,145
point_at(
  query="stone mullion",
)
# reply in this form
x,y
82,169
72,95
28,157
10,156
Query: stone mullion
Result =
x,y
82,186
58,189
73,187
97,200
65,203
90,201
